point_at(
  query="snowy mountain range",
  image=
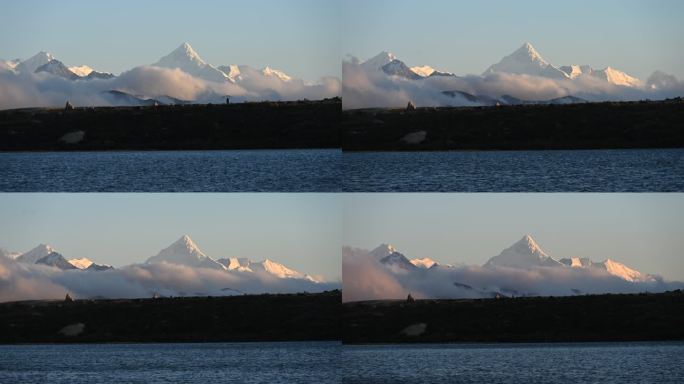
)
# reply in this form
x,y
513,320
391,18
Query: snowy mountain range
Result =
x,y
524,61
522,77
161,82
525,254
523,269
184,58
46,255
56,260
183,252
181,269
378,61
36,61
47,63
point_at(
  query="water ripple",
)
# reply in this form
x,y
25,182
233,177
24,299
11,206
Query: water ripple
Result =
x,y
172,171
632,170
552,363
301,362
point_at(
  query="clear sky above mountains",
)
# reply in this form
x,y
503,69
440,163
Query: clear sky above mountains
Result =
x,y
465,37
300,37
307,38
640,230
301,231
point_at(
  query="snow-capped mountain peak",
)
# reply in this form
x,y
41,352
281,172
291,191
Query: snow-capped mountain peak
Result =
x,y
577,262
185,252
185,49
85,264
423,71
99,267
617,77
232,71
425,262
613,267
81,263
57,68
34,62
186,59
378,61
269,266
620,270
187,242
527,243
525,253
398,68
235,263
35,254
608,74
526,61
383,250
268,71
575,71
184,52
528,51
398,263
81,71
55,259
279,270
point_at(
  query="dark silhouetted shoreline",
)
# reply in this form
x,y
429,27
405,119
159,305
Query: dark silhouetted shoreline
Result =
x,y
648,124
263,125
269,317
635,317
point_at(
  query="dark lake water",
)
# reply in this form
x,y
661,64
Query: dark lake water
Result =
x,y
329,362
635,170
172,171
617,363
171,363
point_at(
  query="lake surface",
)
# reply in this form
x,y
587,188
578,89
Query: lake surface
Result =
x,y
659,170
631,170
301,362
617,363
172,171
329,362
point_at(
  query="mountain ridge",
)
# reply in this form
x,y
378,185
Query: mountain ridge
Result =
x,y
183,251
525,254
525,60
186,59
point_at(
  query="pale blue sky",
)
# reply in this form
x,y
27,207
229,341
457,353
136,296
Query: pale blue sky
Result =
x,y
302,231
636,36
643,231
300,37
307,38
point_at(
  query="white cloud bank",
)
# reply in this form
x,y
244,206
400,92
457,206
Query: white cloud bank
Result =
x,y
46,90
365,278
364,88
19,281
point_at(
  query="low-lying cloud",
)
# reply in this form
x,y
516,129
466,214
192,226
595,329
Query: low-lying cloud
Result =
x,y
45,90
363,88
365,278
19,281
